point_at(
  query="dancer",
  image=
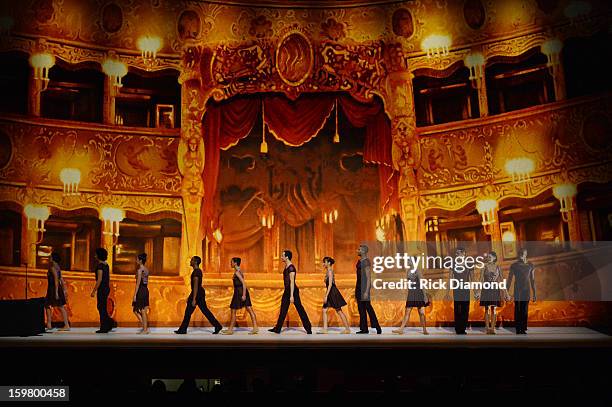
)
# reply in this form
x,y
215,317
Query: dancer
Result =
x,y
102,290
461,296
291,295
56,292
491,297
240,299
333,298
197,297
140,303
522,272
417,298
362,292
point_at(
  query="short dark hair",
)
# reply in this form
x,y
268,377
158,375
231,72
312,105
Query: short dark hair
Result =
x,y
521,251
288,254
142,257
56,257
493,254
460,249
329,260
237,260
101,254
197,260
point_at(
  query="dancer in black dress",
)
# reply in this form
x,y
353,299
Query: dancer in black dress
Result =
x,y
291,295
333,298
140,303
363,286
417,298
491,297
522,272
102,290
56,292
240,299
197,297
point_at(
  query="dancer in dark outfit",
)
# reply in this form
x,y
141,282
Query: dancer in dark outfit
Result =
x,y
417,298
291,295
461,296
240,299
491,297
56,292
140,303
197,297
102,290
333,298
522,272
362,292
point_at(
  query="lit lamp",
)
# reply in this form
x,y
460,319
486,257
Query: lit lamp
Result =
x,y
520,169
432,224
111,218
218,235
552,48
42,62
148,46
37,215
330,216
508,236
487,208
115,70
475,62
436,45
565,193
266,216
71,178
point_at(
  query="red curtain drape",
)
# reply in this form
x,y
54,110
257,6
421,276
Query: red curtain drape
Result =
x,y
295,123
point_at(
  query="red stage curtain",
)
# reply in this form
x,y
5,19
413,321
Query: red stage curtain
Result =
x,y
295,123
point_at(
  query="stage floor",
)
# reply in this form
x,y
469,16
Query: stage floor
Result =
x,y
549,337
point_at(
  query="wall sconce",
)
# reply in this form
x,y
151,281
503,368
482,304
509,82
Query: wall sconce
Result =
x,y
111,218
487,209
475,62
37,215
115,70
577,9
432,224
217,235
565,193
508,236
520,169
71,178
148,46
552,48
436,45
266,216
42,62
330,216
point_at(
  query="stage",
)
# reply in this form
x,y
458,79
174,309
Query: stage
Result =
x,y
202,338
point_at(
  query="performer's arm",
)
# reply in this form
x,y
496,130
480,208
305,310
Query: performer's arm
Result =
x,y
292,278
138,278
244,287
98,281
368,282
477,291
533,283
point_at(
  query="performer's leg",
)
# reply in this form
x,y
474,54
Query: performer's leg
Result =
x,y
284,307
105,320
253,319
187,317
405,320
301,311
493,319
344,319
145,320
525,315
65,316
457,315
49,313
230,328
517,316
208,314
373,319
363,320
324,330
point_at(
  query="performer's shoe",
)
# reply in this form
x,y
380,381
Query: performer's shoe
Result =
x,y
217,330
180,332
346,331
461,333
102,331
309,332
322,332
378,330
227,332
254,331
521,333
398,331
274,330
425,333
362,332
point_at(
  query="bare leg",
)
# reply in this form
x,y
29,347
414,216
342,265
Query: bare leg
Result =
x,y
230,328
145,320
49,313
344,319
492,319
405,320
423,320
253,320
486,318
65,316
139,316
324,330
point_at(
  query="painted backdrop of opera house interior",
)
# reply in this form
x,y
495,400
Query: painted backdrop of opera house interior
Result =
x,y
220,129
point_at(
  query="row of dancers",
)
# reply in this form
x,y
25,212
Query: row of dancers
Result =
x,y
521,272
